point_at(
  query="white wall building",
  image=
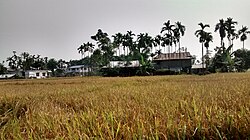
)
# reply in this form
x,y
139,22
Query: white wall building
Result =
x,y
78,70
37,74
122,64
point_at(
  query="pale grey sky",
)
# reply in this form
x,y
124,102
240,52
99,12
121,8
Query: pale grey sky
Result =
x,y
56,28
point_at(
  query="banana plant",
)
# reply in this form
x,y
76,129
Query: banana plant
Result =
x,y
223,59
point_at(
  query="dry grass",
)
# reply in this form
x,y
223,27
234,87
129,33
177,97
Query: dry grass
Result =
x,y
168,107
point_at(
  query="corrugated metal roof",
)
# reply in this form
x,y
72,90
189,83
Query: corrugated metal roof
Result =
x,y
198,66
4,76
38,71
173,56
77,66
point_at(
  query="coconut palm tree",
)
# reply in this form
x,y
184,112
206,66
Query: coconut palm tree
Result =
x,y
243,34
221,26
201,35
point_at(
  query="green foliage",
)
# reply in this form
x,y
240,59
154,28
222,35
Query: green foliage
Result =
x,y
243,34
27,61
146,67
52,65
126,47
242,60
222,60
3,69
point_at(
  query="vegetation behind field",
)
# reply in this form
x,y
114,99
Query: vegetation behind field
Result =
x,y
213,107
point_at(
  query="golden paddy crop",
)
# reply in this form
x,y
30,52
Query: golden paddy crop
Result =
x,y
215,106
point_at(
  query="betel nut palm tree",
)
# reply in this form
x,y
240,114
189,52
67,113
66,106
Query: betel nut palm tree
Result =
x,y
168,35
243,34
181,29
221,27
201,34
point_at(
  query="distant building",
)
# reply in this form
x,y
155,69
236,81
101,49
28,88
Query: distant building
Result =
x,y
38,74
174,61
123,64
121,68
78,70
198,68
7,76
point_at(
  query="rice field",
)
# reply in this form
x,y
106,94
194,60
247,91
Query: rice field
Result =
x,y
215,106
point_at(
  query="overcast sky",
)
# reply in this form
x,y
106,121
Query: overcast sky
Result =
x,y
56,28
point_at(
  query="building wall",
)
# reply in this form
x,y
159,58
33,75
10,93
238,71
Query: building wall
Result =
x,y
173,64
78,70
36,74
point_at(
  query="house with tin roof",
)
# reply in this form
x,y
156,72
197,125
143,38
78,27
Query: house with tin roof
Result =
x,y
174,61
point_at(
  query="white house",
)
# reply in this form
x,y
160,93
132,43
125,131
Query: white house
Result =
x,y
122,64
37,74
78,70
7,76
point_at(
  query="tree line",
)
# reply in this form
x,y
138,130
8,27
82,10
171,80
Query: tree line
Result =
x,y
225,59
26,61
143,47
128,46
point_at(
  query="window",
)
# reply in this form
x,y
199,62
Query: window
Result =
x,y
37,74
44,74
85,68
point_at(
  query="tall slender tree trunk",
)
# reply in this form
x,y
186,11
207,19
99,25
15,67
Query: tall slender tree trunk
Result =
x,y
229,44
82,61
243,45
202,58
179,49
175,48
232,43
207,58
119,50
221,42
89,65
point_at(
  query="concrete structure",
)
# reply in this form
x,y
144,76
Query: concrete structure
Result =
x,y
122,64
7,76
198,68
121,68
37,74
78,70
174,61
